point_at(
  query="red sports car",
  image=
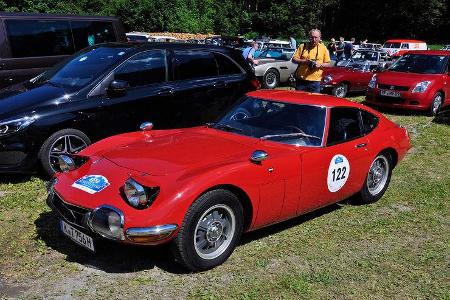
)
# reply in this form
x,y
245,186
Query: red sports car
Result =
x,y
276,155
419,80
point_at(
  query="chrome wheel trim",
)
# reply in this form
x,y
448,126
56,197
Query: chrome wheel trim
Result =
x,y
66,144
214,231
437,101
378,175
340,91
271,79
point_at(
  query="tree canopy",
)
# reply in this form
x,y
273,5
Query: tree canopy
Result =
x,y
374,20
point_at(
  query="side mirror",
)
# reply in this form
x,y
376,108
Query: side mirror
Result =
x,y
258,156
118,88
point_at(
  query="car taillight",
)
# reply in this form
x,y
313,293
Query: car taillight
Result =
x,y
255,84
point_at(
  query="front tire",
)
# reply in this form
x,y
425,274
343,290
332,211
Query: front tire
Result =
x,y
377,179
271,79
340,90
436,104
65,141
210,231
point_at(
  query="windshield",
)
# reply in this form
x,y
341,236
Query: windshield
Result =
x,y
83,68
420,63
294,124
281,54
391,45
365,55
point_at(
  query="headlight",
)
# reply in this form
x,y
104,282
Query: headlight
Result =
x,y
421,87
68,163
137,195
373,82
327,79
11,126
108,222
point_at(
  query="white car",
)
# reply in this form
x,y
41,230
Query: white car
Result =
x,y
137,36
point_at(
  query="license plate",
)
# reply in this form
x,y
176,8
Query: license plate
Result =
x,y
389,93
77,236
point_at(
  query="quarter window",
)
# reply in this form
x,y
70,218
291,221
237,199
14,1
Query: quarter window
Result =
x,y
344,125
194,64
369,121
143,69
226,66
32,38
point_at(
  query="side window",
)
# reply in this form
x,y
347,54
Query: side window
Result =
x,y
143,69
226,66
194,64
32,38
369,121
344,125
405,46
88,33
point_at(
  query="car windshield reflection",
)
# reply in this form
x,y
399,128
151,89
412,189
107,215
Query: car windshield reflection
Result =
x,y
419,63
288,123
83,68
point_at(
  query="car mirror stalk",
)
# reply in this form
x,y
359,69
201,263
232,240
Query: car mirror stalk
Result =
x,y
118,88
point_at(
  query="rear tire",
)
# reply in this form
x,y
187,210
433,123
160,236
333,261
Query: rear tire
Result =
x,y
436,104
271,79
210,231
377,179
340,90
65,141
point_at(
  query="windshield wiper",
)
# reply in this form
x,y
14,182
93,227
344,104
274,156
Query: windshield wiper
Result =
x,y
295,134
227,127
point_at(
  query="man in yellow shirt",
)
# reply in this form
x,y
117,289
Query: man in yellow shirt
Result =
x,y
311,58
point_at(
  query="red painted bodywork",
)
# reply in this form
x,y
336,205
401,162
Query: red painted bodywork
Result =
x,y
409,100
185,163
356,80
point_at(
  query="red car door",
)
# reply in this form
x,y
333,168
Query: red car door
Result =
x,y
338,170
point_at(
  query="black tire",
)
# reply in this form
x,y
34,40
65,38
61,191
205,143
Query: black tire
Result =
x,y
271,79
51,148
371,193
436,104
193,236
340,90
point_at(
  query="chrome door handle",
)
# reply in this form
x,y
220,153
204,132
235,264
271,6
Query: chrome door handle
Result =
x,y
361,145
166,92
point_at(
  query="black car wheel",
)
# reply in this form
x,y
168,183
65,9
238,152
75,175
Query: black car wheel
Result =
x,y
436,104
210,231
66,141
377,180
271,79
340,90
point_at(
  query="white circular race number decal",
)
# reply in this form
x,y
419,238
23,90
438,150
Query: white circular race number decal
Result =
x,y
338,173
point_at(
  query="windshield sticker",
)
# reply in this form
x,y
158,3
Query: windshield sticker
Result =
x,y
338,173
91,183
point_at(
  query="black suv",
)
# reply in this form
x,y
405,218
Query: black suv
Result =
x,y
112,88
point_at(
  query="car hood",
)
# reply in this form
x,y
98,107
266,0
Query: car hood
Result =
x,y
403,78
184,149
24,98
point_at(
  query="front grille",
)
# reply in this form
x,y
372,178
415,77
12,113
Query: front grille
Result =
x,y
71,213
393,87
386,99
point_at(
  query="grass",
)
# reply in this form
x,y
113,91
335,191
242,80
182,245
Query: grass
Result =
x,y
397,248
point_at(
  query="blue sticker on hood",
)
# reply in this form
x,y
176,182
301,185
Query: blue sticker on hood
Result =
x,y
91,183
338,160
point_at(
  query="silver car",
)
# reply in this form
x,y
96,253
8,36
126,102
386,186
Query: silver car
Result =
x,y
274,66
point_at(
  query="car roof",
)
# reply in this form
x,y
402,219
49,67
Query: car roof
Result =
x,y
164,45
404,41
300,97
429,52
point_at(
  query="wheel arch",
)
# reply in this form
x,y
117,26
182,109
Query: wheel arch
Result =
x,y
393,153
243,198
272,68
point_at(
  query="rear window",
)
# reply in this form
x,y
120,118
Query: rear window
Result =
x,y
226,65
194,64
89,33
369,121
33,38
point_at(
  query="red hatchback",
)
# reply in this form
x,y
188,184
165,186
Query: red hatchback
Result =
x,y
276,155
419,80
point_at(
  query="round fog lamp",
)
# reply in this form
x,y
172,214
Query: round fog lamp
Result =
x,y
135,193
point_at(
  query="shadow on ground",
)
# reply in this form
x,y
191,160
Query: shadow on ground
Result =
x,y
112,257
